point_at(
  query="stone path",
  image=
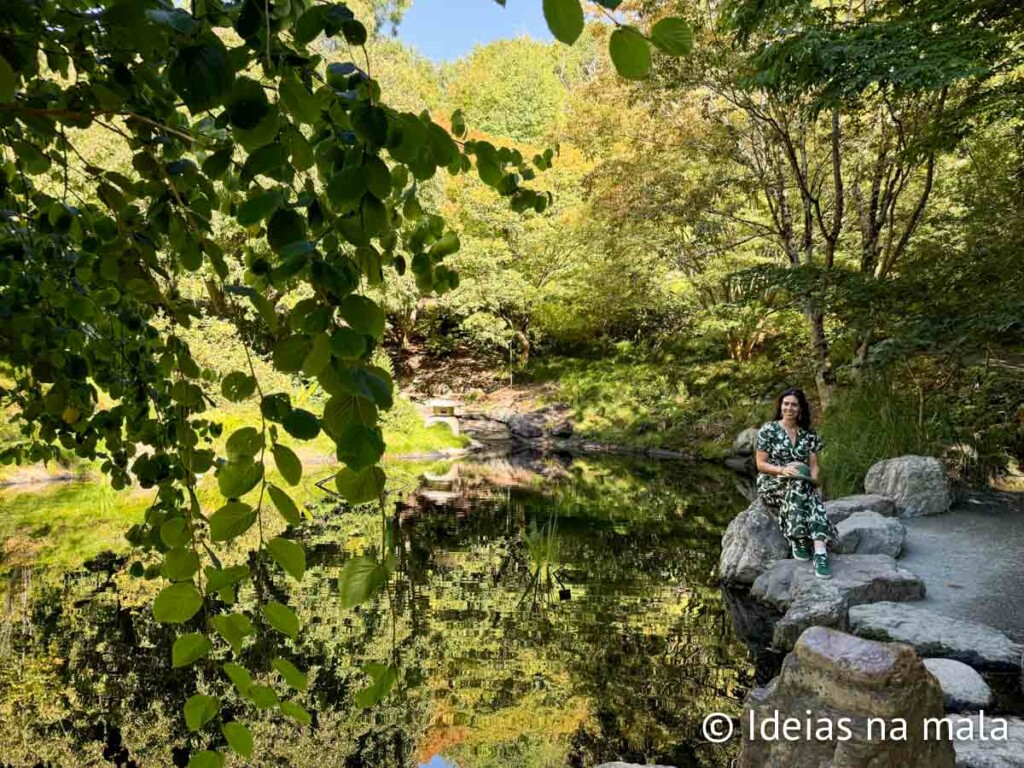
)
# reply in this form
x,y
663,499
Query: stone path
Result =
x,y
972,561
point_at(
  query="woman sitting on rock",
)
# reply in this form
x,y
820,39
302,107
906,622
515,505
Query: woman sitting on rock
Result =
x,y
787,466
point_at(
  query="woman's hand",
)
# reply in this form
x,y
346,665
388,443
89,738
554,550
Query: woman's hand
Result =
x,y
790,470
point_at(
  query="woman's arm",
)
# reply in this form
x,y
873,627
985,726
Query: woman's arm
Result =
x,y
765,467
813,464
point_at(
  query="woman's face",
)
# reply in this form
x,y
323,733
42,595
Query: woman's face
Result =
x,y
790,407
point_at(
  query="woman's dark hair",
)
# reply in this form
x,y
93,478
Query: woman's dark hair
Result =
x,y
804,419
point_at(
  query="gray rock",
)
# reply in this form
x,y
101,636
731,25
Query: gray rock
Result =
x,y
840,509
936,635
563,428
963,689
818,604
527,425
751,543
868,533
745,443
835,677
993,751
916,483
630,765
805,600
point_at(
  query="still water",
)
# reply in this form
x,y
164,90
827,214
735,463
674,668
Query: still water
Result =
x,y
543,614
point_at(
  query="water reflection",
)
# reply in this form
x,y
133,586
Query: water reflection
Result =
x,y
544,613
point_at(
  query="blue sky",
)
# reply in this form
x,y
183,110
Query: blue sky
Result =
x,y
443,30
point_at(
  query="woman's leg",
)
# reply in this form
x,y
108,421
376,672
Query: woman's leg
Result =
x,y
773,492
808,517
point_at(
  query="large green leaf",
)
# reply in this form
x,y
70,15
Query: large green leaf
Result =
x,y
282,618
231,521
248,104
360,447
258,207
383,678
233,627
289,555
239,677
360,487
263,696
244,444
290,351
303,105
7,82
175,533
177,603
291,674
284,228
236,478
301,424
288,463
565,19
344,410
238,386
360,579
206,759
363,315
218,578
284,505
630,52
239,738
201,74
673,36
296,712
190,648
180,564
200,709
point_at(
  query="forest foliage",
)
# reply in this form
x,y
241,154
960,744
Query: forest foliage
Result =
x,y
673,210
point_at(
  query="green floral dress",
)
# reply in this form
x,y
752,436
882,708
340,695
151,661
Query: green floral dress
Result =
x,y
801,514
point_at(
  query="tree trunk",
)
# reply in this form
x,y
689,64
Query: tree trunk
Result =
x,y
824,376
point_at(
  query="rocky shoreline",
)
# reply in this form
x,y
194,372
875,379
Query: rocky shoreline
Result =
x,y
871,622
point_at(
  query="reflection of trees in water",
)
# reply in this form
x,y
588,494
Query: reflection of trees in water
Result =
x,y
625,668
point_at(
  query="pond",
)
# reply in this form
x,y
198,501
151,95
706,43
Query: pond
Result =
x,y
543,613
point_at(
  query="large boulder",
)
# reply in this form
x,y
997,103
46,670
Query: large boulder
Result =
x,y
745,443
963,689
916,483
980,743
528,425
934,634
791,587
751,543
868,533
832,679
840,509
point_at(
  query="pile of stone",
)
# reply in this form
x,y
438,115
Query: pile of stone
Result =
x,y
862,643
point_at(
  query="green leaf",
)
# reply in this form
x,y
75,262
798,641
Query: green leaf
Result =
x,y
199,710
445,246
300,424
248,104
237,386
231,521
284,505
201,74
360,487
218,578
630,52
319,355
233,627
258,207
309,25
673,36
348,344
346,188
263,696
458,123
282,618
180,564
238,478
360,447
239,676
289,555
288,463
7,82
378,177
243,444
206,759
291,674
343,410
177,603
190,648
565,19
31,159
360,579
383,681
289,353
303,105
296,712
354,32
174,533
239,738
284,228
363,315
